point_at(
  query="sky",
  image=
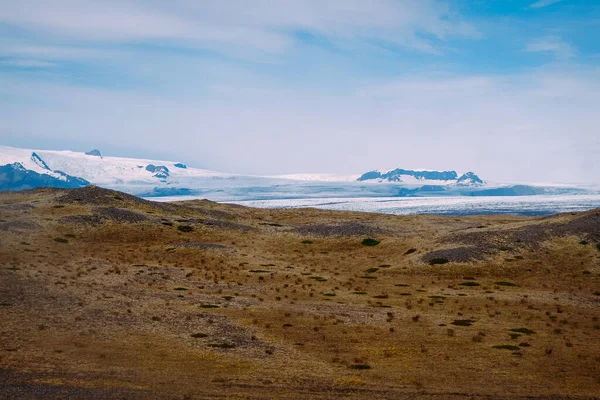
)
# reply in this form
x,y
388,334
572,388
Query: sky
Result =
x,y
507,88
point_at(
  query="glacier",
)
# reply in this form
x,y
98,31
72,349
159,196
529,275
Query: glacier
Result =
x,y
398,192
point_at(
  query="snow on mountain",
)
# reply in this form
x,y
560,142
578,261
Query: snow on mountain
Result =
x,y
16,177
27,168
411,177
469,179
318,177
102,170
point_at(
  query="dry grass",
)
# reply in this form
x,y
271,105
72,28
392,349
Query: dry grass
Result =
x,y
261,305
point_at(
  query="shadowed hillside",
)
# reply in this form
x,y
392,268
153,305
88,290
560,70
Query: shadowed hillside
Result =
x,y
105,295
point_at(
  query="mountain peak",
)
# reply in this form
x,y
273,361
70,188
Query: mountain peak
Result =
x,y
469,179
39,162
402,175
423,177
94,152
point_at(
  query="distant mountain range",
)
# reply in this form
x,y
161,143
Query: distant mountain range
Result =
x,y
400,175
26,168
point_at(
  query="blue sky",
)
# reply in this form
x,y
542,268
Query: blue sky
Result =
x,y
510,89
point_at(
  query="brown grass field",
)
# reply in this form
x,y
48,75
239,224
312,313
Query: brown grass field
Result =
x,y
106,296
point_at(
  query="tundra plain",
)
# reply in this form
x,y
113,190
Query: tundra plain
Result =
x,y
105,295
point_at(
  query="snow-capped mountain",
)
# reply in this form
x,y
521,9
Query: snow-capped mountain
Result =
x,y
420,177
27,168
101,170
16,177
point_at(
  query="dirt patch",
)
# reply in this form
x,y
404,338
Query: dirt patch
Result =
x,y
92,220
119,215
347,229
16,207
227,225
200,245
16,226
458,254
587,227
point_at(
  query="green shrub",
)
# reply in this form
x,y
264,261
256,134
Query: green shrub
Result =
x,y
470,283
370,242
371,270
410,251
61,240
185,228
199,335
502,283
180,288
307,242
360,366
318,278
329,294
463,322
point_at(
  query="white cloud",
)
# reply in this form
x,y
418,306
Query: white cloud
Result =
x,y
543,3
27,63
20,49
230,26
552,45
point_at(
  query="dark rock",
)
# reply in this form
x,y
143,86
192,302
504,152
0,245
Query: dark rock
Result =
x,y
469,179
396,175
94,152
158,171
38,160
